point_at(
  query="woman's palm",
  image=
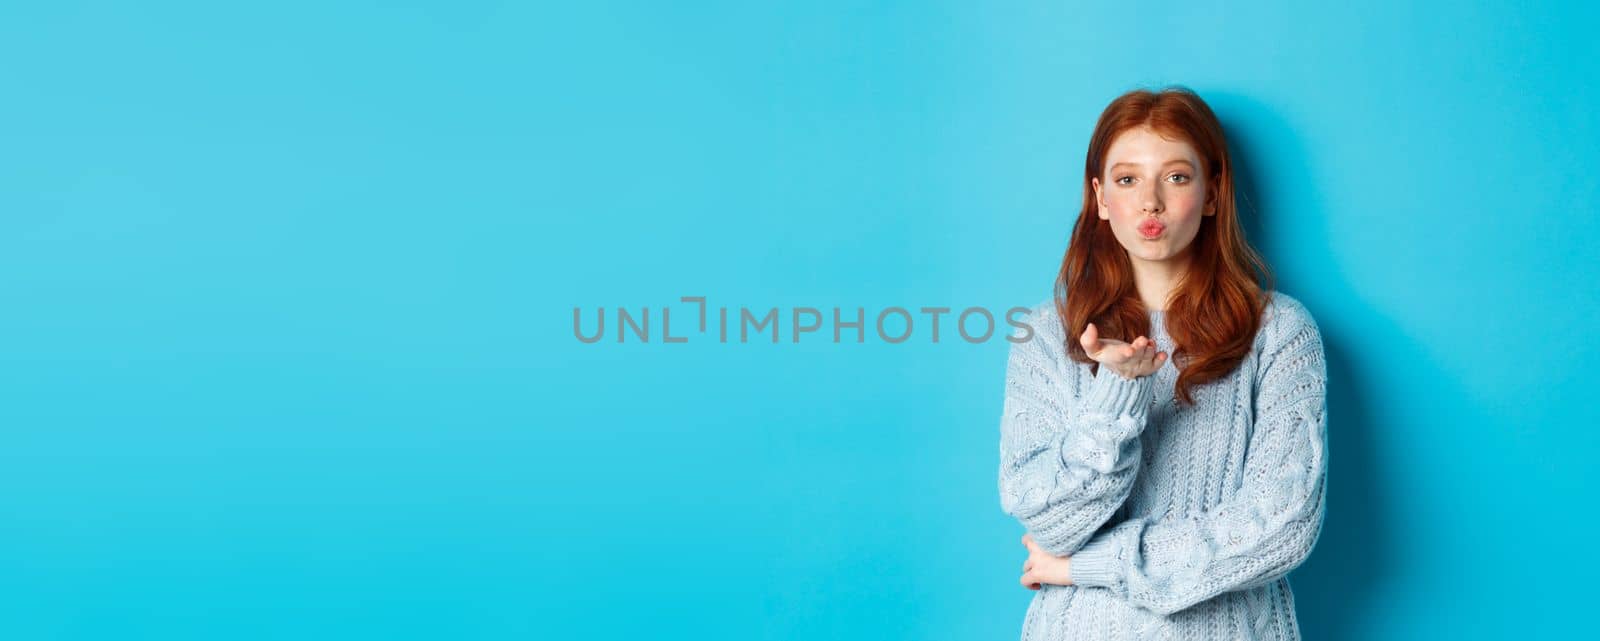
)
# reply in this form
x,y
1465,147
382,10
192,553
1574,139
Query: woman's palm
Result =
x,y
1131,360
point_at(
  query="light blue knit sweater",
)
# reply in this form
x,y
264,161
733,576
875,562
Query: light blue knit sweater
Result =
x,y
1182,522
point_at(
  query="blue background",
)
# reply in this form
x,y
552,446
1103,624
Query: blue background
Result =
x,y
288,349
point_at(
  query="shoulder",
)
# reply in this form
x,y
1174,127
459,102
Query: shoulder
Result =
x,y
1284,318
1041,321
1285,308
1038,355
1038,332
1289,333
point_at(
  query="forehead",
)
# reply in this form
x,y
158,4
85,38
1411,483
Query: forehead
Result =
x,y
1143,146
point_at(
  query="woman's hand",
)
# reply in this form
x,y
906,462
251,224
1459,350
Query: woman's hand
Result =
x,y
1042,567
1130,360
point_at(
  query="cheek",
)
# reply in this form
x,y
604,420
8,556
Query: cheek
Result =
x,y
1122,203
1188,201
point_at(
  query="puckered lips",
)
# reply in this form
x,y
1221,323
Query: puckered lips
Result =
x,y
1151,228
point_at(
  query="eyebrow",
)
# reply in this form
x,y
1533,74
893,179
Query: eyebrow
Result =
x,y
1179,161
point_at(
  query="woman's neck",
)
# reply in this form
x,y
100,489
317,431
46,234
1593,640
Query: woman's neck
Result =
x,y
1157,279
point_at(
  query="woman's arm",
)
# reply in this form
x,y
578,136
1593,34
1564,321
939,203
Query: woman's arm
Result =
x,y
1261,533
1063,472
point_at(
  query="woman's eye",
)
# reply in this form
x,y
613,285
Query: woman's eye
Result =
x,y
1119,180
1181,178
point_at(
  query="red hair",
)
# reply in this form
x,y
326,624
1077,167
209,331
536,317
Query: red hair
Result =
x,y
1216,308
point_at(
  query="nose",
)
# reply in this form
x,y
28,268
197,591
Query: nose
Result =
x,y
1151,203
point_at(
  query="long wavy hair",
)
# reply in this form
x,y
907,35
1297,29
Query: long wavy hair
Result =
x,y
1215,311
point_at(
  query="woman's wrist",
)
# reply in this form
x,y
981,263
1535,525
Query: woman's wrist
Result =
x,y
1112,393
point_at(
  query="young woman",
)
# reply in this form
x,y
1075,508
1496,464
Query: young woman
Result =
x,y
1163,438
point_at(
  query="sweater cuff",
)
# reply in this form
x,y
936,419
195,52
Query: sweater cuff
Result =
x,y
1098,563
1112,393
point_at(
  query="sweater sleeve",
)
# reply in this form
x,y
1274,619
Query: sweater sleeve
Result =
x,y
1065,466
1263,531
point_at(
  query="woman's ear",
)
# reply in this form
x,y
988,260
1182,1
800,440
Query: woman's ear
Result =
x,y
1100,205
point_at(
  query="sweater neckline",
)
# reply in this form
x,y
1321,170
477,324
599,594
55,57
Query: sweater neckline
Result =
x,y
1158,321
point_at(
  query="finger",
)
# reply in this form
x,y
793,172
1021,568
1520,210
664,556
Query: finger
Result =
x,y
1090,339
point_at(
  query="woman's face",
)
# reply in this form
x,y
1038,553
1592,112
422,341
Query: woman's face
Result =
x,y
1154,195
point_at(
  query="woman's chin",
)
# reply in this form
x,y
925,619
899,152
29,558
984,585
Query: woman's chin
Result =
x,y
1153,253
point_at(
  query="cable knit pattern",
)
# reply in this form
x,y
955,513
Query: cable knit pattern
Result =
x,y
1182,522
